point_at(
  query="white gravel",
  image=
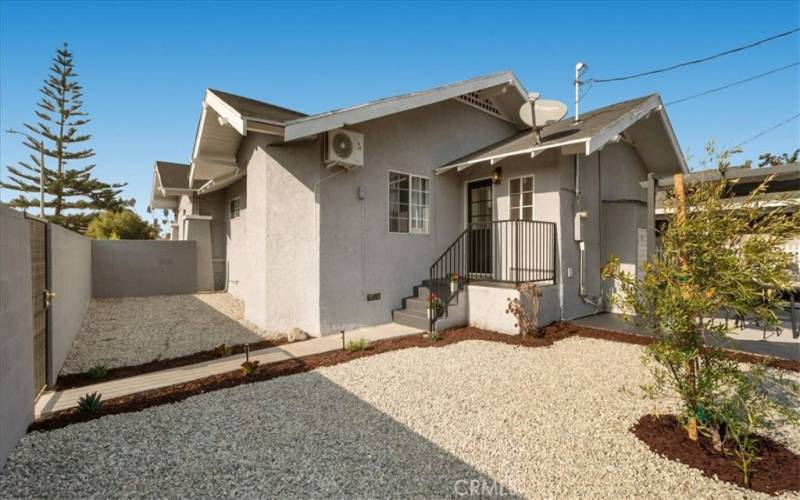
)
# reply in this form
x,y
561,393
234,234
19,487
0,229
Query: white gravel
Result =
x,y
543,423
133,330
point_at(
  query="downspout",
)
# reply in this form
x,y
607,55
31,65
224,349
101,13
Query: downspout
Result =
x,y
595,302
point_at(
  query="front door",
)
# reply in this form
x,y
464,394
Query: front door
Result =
x,y
479,218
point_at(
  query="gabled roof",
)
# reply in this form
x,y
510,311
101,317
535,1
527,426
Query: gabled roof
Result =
x,y
510,94
226,118
170,181
257,110
172,175
594,130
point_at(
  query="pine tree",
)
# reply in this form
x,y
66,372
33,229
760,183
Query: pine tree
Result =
x,y
73,195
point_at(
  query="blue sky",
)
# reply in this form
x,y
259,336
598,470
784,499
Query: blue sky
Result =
x,y
144,65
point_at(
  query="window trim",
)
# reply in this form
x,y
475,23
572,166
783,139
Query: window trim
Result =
x,y
389,203
230,208
521,206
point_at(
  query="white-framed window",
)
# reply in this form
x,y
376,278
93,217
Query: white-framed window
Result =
x,y
235,208
521,194
409,203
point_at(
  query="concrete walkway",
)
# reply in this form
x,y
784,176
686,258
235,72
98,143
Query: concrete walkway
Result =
x,y
750,339
54,401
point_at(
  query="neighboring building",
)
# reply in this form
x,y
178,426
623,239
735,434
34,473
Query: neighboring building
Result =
x,y
782,192
449,177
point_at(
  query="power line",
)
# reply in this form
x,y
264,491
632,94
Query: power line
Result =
x,y
696,61
733,84
767,131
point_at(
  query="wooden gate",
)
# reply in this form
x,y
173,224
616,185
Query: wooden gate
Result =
x,y
38,230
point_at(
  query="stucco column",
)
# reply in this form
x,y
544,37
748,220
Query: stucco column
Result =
x,y
198,228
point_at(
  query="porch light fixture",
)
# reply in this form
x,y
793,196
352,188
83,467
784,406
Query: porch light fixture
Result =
x,y
497,175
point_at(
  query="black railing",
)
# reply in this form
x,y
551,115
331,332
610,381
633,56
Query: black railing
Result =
x,y
508,251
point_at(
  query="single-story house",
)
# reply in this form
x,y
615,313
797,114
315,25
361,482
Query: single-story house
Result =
x,y
348,218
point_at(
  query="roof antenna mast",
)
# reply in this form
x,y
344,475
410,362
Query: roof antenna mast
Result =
x,y
580,69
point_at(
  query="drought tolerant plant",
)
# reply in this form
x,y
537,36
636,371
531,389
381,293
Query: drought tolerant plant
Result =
x,y
223,350
434,306
357,345
90,403
97,372
716,258
249,367
527,317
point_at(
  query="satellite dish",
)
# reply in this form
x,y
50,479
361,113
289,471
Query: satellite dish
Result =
x,y
547,112
342,145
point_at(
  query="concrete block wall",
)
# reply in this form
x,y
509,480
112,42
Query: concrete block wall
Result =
x,y
140,268
71,281
16,330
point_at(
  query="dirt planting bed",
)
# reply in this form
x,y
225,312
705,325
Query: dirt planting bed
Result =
x,y
777,470
72,380
179,392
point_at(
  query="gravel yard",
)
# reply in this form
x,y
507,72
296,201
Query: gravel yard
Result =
x,y
133,330
546,422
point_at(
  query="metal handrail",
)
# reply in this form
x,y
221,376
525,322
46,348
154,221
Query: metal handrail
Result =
x,y
508,251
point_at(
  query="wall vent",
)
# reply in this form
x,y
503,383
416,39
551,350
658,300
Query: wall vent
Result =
x,y
484,105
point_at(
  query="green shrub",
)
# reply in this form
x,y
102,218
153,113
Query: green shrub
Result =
x,y
434,336
714,259
249,367
97,372
223,350
90,403
358,345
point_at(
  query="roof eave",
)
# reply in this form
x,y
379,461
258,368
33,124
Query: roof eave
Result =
x,y
315,124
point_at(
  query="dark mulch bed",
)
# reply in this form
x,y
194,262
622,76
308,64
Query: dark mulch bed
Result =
x,y
73,380
778,470
179,392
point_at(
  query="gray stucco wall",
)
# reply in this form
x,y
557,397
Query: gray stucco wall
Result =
x,y
236,240
214,205
358,255
624,206
71,280
137,268
16,330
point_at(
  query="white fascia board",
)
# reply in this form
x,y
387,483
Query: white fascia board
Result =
x,y
495,158
156,185
263,126
200,125
230,115
621,124
331,120
221,182
673,139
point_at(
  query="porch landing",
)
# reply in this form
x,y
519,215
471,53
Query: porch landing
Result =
x,y
54,401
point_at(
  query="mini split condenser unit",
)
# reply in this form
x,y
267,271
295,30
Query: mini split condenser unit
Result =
x,y
344,148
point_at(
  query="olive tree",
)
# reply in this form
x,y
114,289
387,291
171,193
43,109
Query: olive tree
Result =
x,y
717,256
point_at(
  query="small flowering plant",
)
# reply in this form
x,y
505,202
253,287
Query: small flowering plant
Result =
x,y
454,277
434,302
435,306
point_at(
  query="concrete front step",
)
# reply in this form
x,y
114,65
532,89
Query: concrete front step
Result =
x,y
416,306
411,319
